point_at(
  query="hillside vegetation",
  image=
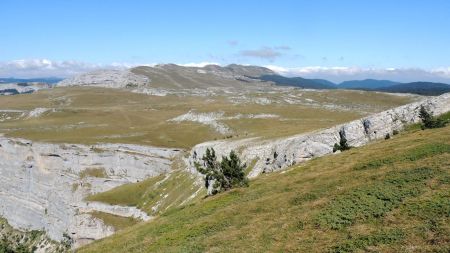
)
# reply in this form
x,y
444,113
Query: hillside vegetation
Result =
x,y
364,199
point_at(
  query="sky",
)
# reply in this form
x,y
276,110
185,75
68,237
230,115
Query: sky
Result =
x,y
402,40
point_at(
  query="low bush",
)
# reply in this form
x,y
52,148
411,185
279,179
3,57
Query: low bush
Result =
x,y
362,242
342,145
414,154
374,200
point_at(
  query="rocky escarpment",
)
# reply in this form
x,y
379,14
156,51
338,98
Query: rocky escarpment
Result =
x,y
107,78
270,155
42,186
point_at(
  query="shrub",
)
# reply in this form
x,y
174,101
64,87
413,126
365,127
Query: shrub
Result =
x,y
412,155
67,241
219,177
385,237
342,145
428,121
373,201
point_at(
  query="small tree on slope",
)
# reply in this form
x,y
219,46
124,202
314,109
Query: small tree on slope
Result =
x,y
222,176
343,145
428,121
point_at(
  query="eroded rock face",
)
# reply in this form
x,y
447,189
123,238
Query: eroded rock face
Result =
x,y
272,155
42,186
107,79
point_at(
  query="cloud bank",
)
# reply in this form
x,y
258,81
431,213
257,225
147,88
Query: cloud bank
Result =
x,y
340,74
46,68
35,68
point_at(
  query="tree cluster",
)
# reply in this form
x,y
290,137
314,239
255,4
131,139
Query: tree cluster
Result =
x,y
224,175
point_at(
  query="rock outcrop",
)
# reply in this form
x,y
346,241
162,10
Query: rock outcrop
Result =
x,y
107,79
43,186
272,155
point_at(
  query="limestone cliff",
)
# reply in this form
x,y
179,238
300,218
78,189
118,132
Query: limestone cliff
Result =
x,y
42,186
271,155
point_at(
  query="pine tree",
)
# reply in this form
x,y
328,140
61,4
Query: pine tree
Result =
x,y
426,117
428,121
342,145
225,175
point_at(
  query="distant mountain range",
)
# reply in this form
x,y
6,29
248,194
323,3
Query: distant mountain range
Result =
x,y
49,80
421,88
298,82
171,76
366,84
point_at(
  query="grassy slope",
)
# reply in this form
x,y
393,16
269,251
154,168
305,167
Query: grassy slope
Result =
x,y
118,222
162,192
389,196
93,115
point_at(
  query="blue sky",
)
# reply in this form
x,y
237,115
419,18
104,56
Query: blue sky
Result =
x,y
292,36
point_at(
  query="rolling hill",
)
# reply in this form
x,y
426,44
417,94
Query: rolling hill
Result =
x,y
422,88
298,82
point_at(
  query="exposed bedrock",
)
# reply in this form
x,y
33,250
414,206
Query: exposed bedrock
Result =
x,y
42,186
272,155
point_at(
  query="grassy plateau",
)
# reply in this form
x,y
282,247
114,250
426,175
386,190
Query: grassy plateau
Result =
x,y
89,115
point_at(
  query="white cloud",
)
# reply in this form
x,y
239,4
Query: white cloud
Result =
x,y
445,72
265,53
45,68
339,74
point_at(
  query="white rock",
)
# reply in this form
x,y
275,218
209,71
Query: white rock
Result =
x,y
107,79
281,153
41,187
